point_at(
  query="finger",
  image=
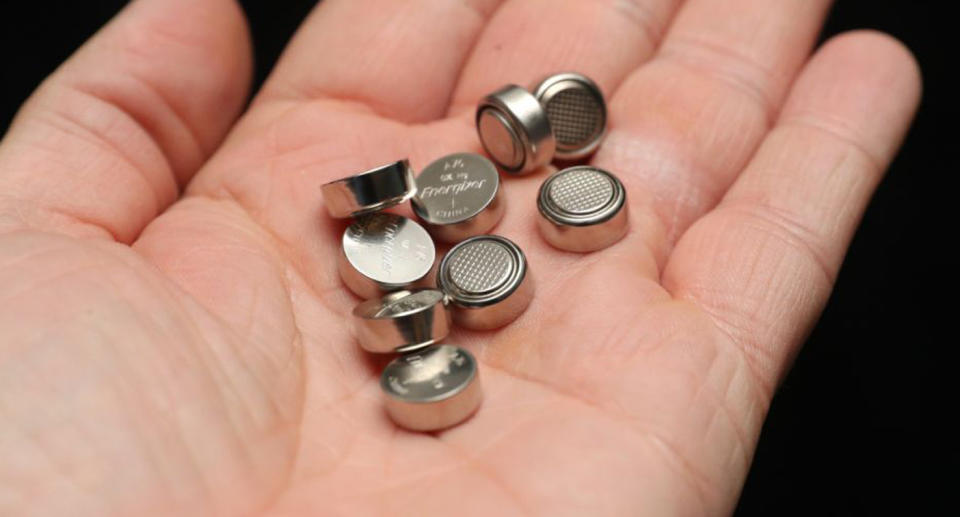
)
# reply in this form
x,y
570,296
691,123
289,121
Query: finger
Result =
x,y
400,59
101,146
527,40
763,262
686,123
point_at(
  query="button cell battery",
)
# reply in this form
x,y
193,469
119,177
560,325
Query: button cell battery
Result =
x,y
384,252
577,112
458,196
514,129
402,321
370,191
582,209
487,280
432,388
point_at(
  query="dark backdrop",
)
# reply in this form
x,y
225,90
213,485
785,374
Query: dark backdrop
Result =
x,y
859,427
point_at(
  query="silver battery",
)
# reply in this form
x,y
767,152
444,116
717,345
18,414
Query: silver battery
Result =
x,y
432,388
384,252
402,321
577,112
582,209
514,129
487,280
370,191
458,196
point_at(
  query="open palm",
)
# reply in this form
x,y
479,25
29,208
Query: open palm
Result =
x,y
192,355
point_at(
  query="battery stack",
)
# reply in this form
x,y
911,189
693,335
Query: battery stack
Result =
x,y
483,282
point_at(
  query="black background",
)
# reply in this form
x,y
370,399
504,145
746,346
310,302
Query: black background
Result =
x,y
860,426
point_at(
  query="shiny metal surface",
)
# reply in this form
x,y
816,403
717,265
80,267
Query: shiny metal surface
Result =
x,y
384,252
402,321
514,129
458,196
582,209
577,112
500,140
370,191
432,388
487,280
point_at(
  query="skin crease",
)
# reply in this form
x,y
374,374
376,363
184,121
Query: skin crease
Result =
x,y
191,354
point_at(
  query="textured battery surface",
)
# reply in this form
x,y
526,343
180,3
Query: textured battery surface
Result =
x,y
575,115
481,266
581,191
582,209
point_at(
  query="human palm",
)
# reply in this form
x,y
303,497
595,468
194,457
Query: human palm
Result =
x,y
193,355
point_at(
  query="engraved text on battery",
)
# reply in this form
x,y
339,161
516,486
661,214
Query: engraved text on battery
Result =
x,y
457,181
452,189
401,306
456,163
396,385
390,234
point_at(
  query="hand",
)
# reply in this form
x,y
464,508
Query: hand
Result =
x,y
192,355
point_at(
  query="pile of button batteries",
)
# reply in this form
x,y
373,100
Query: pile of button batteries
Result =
x,y
483,282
